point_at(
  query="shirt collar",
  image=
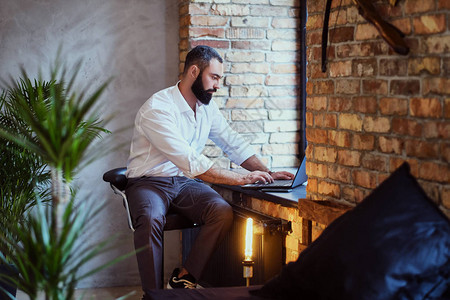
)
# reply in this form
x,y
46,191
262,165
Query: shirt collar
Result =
x,y
181,102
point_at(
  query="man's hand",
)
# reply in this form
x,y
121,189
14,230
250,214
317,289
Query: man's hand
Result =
x,y
257,177
283,175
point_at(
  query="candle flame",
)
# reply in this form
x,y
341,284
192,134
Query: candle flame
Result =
x,y
249,240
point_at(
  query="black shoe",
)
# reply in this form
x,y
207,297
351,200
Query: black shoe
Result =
x,y
185,282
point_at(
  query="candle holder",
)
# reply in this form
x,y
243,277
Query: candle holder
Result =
x,y
248,270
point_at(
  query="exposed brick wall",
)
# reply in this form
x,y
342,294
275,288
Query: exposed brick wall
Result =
x,y
374,109
259,95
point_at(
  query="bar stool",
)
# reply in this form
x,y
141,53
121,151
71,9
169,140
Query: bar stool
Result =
x,y
118,182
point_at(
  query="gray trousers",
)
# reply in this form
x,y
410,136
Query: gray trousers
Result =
x,y
149,200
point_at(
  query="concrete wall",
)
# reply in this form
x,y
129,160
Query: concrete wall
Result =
x,y
136,42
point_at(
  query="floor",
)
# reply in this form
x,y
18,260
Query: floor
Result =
x,y
100,293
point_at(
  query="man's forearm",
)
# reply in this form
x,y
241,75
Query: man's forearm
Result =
x,y
253,163
219,175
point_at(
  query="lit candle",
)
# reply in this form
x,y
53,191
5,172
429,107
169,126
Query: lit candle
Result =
x,y
249,240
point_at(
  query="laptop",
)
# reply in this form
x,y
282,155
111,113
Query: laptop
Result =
x,y
281,185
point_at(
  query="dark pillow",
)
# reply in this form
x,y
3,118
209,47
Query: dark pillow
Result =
x,y
394,245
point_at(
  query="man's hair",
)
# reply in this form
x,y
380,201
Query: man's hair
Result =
x,y
201,56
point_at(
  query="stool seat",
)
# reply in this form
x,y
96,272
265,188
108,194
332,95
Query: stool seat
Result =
x,y
118,181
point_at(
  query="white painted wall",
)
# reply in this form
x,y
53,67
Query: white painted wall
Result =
x,y
136,42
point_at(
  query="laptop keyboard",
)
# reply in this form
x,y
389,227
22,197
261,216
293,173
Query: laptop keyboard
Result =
x,y
286,183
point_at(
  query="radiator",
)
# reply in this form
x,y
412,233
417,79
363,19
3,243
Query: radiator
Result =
x,y
269,252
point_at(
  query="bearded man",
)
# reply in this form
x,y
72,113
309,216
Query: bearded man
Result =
x,y
166,168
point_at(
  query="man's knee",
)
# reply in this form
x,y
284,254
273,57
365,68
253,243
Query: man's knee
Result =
x,y
222,212
151,223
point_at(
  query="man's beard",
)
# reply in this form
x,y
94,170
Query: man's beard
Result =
x,y
204,96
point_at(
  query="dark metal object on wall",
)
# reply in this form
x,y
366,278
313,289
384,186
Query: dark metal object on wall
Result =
x,y
391,34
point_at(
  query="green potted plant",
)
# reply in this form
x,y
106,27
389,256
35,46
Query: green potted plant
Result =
x,y
22,177
58,124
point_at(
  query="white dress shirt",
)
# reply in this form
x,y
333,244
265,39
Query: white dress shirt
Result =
x,y
168,137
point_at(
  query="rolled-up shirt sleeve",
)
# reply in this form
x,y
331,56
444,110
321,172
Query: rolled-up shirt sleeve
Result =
x,y
160,128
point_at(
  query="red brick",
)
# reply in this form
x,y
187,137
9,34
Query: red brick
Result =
x,y
444,4
374,86
309,152
365,178
447,108
309,88
349,158
416,6
314,71
339,104
329,189
436,85
316,103
439,130
339,173
405,87
363,142
314,22
429,24
316,170
425,107
390,145
340,68
366,31
445,152
315,6
435,45
348,86
341,34
339,138
314,54
364,49
364,67
350,122
376,124
324,87
446,65
374,162
212,43
393,67
348,194
318,136
330,121
312,185
406,127
309,119
394,106
421,149
313,38
434,172
325,154
424,65
365,104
